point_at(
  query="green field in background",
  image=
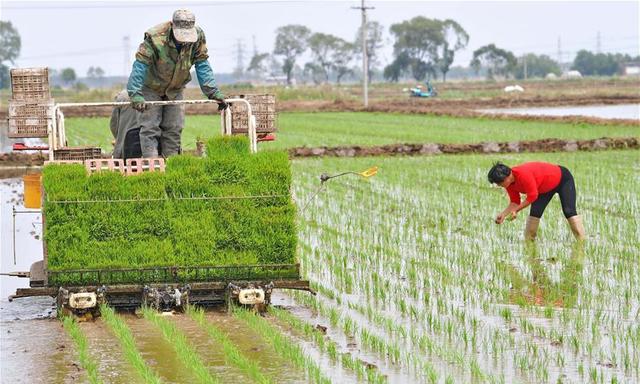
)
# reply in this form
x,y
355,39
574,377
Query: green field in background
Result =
x,y
367,128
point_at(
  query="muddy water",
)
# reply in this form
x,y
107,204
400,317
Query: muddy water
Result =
x,y
624,111
105,349
28,234
345,344
208,350
251,345
157,353
37,351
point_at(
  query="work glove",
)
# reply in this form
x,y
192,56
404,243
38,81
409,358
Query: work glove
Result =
x,y
137,103
222,105
219,97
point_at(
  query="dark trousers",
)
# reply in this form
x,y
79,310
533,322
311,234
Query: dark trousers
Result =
x,y
132,148
567,192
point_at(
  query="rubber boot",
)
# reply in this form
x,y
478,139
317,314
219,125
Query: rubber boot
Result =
x,y
575,223
531,228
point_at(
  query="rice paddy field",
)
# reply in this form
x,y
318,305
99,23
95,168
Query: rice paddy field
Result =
x,y
415,283
298,129
411,266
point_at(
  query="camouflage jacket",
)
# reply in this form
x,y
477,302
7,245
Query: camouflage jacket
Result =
x,y
168,71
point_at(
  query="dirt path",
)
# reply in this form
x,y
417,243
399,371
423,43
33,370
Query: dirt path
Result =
x,y
543,145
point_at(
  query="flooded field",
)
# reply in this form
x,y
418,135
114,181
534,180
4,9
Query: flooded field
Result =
x,y
19,251
415,284
622,111
412,267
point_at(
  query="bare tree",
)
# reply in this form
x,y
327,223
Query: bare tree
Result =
x,y
291,42
454,39
323,47
499,62
258,64
375,32
342,58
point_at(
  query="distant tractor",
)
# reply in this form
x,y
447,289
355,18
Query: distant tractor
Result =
x,y
420,91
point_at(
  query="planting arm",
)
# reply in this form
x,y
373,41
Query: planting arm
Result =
x,y
511,211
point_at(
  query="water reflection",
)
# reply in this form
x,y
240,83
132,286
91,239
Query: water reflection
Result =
x,y
623,111
540,289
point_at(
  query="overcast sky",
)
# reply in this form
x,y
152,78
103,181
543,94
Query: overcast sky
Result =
x,y
84,33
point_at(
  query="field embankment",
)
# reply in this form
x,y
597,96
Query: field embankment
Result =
x,y
543,145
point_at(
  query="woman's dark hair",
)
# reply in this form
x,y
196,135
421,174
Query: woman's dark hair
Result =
x,y
498,173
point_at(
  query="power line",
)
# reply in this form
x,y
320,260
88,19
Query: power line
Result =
x,y
153,5
219,51
75,53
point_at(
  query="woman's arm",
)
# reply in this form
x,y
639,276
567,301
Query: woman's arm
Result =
x,y
510,210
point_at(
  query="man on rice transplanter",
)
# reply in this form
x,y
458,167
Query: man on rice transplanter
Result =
x,y
539,181
160,72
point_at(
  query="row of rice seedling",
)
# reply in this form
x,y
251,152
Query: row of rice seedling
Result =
x,y
283,345
122,332
362,370
229,208
233,355
87,362
184,350
414,253
377,337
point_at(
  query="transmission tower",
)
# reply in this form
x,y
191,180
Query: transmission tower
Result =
x,y
559,52
239,57
598,43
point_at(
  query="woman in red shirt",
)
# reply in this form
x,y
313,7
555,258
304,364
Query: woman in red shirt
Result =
x,y
539,181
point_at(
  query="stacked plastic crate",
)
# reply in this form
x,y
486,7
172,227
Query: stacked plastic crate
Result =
x,y
31,105
31,113
263,107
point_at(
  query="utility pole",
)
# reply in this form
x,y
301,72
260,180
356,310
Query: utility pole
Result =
x,y
524,59
598,43
126,69
365,65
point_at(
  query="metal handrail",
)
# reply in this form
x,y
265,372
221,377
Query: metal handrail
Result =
x,y
57,132
176,274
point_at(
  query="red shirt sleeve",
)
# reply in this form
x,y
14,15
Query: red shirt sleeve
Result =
x,y
514,196
529,185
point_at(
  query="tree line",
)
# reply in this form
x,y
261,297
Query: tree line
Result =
x,y
423,48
